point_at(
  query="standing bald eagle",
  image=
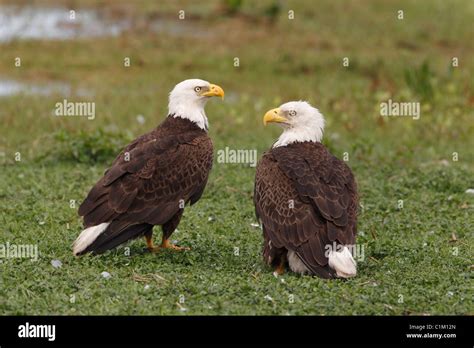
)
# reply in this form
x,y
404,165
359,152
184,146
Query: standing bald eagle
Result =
x,y
305,198
153,178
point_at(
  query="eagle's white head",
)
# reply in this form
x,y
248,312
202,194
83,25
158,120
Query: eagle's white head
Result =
x,y
188,98
300,122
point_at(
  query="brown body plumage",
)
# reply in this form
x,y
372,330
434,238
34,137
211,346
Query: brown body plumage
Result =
x,y
148,184
306,200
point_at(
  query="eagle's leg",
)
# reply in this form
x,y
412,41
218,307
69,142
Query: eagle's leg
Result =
x,y
168,228
275,257
280,268
149,241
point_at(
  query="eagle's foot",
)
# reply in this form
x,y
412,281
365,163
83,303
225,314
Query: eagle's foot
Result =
x,y
177,248
157,249
280,269
167,245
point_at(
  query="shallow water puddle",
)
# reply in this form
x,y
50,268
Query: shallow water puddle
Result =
x,y
29,22
56,23
12,87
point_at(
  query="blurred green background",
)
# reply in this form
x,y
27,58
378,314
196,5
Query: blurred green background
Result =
x,y
422,252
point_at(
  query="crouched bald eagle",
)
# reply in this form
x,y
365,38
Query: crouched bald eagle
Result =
x,y
153,178
305,198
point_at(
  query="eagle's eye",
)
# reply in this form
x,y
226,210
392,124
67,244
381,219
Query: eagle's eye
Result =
x,y
292,113
197,89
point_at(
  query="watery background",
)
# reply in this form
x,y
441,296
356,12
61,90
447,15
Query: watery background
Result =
x,y
416,214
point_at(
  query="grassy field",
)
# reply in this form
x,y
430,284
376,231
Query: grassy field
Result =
x,y
418,257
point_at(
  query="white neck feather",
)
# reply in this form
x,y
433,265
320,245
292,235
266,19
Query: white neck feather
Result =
x,y
298,135
192,110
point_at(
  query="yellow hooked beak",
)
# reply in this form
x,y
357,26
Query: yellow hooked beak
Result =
x,y
274,115
214,91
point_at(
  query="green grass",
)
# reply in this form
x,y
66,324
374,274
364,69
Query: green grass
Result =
x,y
408,252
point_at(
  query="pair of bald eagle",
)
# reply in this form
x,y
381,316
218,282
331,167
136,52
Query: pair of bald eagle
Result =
x,y
305,198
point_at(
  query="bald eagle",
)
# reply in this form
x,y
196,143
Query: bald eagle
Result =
x,y
153,178
305,198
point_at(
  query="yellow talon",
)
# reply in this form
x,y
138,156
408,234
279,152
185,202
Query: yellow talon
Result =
x,y
165,244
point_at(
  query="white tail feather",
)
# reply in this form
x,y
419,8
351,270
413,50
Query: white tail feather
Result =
x,y
343,263
88,236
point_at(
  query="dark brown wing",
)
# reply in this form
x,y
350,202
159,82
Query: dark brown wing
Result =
x,y
306,199
151,179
